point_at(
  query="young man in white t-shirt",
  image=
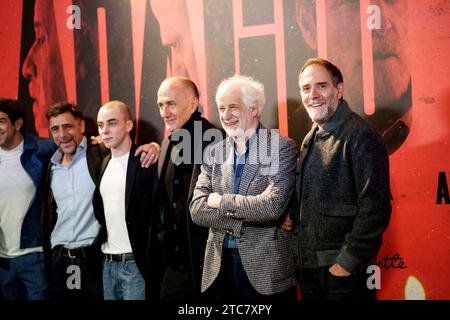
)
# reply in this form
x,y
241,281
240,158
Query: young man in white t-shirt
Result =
x,y
122,204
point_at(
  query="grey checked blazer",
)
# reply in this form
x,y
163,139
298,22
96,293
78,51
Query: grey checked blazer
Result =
x,y
254,214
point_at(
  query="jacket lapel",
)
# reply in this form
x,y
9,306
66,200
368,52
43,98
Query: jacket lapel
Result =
x,y
252,162
304,149
162,155
133,163
227,168
103,168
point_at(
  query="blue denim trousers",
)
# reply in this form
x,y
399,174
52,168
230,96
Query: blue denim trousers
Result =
x,y
122,281
22,278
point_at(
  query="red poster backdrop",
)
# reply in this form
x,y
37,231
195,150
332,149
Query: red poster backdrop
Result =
x,y
396,75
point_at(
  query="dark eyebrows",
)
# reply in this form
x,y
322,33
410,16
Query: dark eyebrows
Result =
x,y
317,84
166,102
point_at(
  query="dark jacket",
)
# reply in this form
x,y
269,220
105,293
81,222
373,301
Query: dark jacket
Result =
x,y
180,192
342,192
138,206
35,158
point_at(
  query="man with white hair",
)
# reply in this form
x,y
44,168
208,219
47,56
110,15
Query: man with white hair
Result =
x,y
242,194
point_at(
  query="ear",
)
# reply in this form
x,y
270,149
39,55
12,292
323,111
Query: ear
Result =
x,y
18,124
305,14
82,125
254,111
129,125
194,104
340,88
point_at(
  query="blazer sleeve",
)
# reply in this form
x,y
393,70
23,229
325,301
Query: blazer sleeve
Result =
x,y
273,202
201,213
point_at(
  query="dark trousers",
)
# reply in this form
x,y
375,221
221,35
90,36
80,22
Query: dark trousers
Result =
x,y
233,285
64,274
176,286
320,284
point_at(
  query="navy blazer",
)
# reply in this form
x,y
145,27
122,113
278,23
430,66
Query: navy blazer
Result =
x,y
34,159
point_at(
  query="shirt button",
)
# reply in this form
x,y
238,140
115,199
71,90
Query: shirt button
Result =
x,y
174,205
176,181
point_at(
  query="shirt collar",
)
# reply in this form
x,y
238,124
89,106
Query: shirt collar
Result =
x,y
339,116
189,125
249,140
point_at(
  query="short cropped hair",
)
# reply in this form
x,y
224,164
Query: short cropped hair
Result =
x,y
63,107
334,71
14,109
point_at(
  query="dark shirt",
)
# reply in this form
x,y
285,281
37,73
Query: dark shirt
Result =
x,y
239,163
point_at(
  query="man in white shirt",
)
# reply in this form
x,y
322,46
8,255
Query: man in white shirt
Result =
x,y
23,160
122,204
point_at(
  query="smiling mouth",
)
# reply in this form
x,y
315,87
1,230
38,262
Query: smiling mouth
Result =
x,y
315,105
65,143
231,124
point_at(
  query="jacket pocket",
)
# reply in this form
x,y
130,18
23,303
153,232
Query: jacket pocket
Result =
x,y
280,260
336,220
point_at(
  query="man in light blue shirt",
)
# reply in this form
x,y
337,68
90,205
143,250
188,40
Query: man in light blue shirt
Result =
x,y
72,188
69,225
70,229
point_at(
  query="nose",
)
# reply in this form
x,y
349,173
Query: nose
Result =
x,y
314,93
59,134
164,111
227,113
104,130
29,67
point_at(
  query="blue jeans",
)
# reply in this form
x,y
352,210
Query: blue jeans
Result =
x,y
122,281
22,278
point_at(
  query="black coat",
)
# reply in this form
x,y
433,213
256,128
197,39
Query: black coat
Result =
x,y
180,194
